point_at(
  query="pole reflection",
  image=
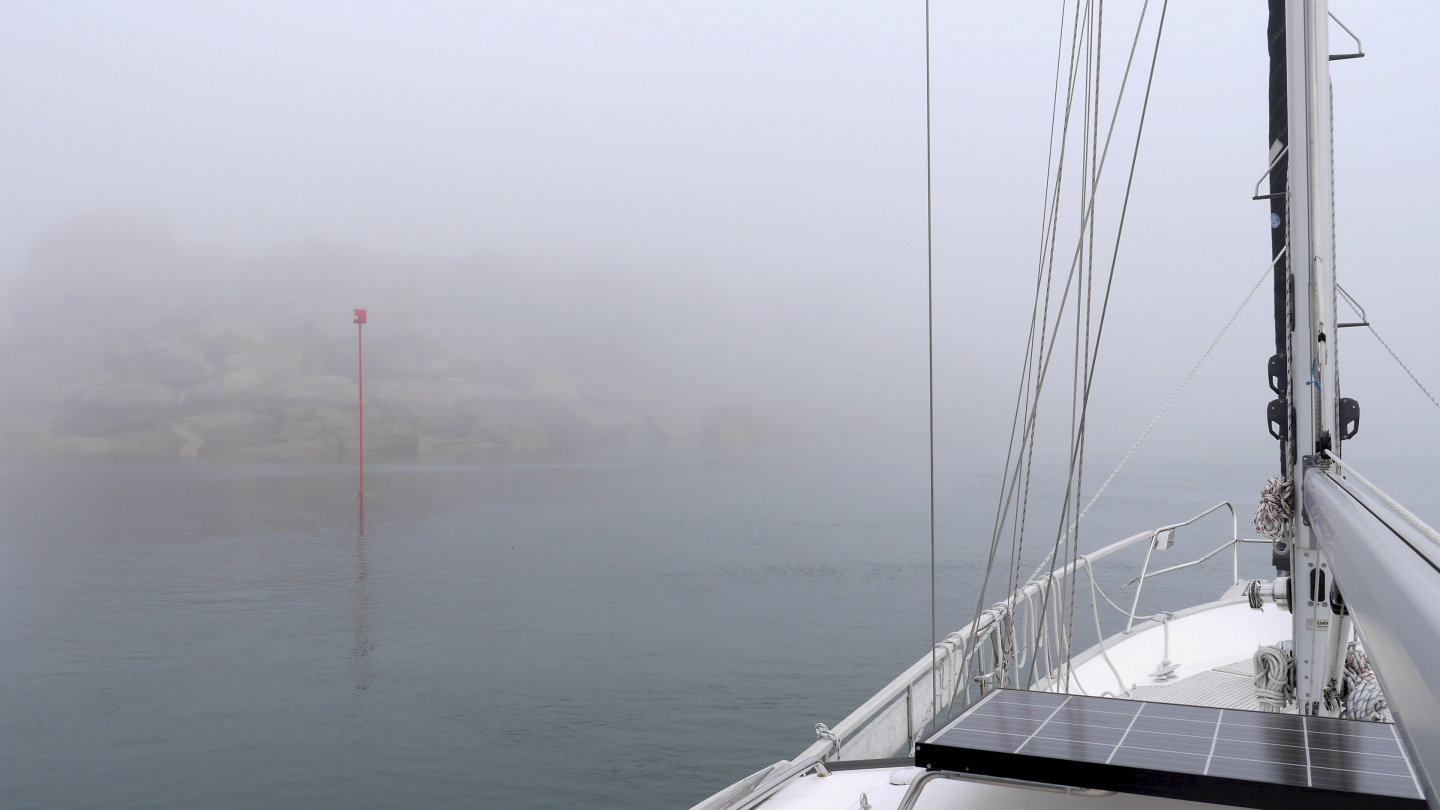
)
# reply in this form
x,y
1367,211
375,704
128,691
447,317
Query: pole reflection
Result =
x,y
360,659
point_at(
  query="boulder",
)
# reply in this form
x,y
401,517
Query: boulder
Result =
x,y
160,443
211,424
476,398
390,442
737,425
558,387
320,449
69,446
227,432
193,441
145,396
321,390
510,434
221,389
177,365
611,421
109,410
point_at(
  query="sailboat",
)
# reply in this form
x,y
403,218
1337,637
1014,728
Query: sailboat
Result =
x,y
1318,687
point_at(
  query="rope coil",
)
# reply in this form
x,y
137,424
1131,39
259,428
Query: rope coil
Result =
x,y
1365,701
1274,678
1275,508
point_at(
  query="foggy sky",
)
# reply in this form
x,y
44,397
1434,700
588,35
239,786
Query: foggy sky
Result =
x,y
749,180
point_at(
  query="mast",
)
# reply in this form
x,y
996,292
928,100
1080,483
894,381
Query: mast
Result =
x,y
1310,341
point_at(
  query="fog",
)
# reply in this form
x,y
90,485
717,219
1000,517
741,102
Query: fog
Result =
x,y
651,225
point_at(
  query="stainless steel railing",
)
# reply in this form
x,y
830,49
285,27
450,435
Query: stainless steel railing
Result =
x,y
1024,630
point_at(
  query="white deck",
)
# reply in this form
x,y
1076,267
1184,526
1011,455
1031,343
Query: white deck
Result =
x,y
1212,644
841,791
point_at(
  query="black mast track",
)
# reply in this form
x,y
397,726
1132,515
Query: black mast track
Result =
x,y
1280,175
1279,367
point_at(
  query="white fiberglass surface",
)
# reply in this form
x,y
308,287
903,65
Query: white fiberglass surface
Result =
x,y
1201,639
841,791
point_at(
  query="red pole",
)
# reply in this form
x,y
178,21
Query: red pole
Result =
x,y
360,383
360,378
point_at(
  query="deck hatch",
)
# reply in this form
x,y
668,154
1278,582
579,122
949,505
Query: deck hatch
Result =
x,y
1228,756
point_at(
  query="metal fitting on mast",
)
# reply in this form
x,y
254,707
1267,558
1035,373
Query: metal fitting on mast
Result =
x,y
1276,592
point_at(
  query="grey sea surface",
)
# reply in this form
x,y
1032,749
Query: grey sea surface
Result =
x,y
634,632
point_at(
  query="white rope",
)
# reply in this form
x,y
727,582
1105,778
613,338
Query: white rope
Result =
x,y
823,732
1365,701
1094,589
1274,678
1183,383
1274,508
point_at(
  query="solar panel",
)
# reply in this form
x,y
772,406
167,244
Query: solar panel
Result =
x,y
1226,756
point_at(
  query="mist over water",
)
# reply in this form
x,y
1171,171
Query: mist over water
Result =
x,y
646,380
582,227
124,341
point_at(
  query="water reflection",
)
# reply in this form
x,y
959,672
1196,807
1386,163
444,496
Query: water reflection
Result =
x,y
360,660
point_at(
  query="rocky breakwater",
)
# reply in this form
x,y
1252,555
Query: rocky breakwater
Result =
x,y
174,397
133,346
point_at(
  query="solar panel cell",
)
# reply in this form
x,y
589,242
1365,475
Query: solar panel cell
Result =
x,y
1357,760
1074,750
1367,746
1237,734
1261,752
1245,758
1175,711
1259,770
1159,760
991,741
1163,741
1359,782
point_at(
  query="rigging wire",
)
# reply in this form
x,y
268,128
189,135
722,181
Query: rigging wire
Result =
x,y
930,338
1074,540
1040,346
1033,382
1361,312
1182,385
1114,258
1002,503
1171,400
1042,357
1032,377
1086,261
1023,394
1029,385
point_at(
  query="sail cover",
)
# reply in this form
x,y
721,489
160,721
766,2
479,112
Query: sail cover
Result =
x,y
1389,571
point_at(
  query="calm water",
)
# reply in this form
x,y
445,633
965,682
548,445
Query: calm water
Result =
x,y
635,633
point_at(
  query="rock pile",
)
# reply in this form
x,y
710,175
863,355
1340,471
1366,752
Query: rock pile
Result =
x,y
122,342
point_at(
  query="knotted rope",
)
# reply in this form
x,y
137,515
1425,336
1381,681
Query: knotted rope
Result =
x,y
1274,508
1274,678
1365,701
823,732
